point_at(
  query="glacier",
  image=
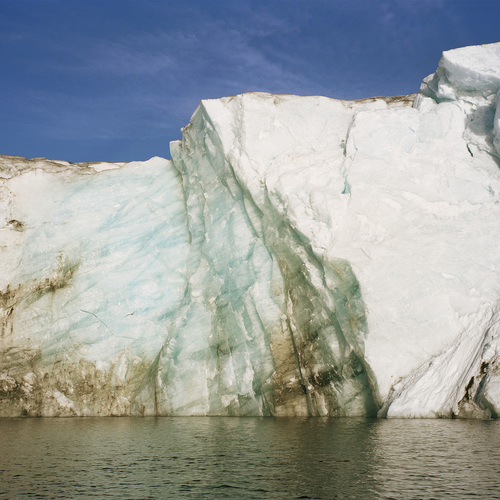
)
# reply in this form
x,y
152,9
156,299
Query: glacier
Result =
x,y
297,256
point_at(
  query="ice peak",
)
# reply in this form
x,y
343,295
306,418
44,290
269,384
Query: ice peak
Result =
x,y
468,70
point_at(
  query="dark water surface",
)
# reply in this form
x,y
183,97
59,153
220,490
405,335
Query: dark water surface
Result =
x,y
216,457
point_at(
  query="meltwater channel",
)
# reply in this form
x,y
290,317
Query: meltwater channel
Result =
x,y
218,457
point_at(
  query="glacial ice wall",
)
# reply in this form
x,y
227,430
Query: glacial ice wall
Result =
x,y
297,256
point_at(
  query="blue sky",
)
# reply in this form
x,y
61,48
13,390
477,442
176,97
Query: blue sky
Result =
x,y
115,80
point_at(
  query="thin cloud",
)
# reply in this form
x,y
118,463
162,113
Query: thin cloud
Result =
x,y
120,59
211,50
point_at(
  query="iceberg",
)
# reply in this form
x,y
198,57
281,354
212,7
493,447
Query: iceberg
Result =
x,y
297,256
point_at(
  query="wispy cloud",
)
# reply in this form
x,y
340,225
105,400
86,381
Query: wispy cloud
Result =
x,y
169,72
123,59
226,55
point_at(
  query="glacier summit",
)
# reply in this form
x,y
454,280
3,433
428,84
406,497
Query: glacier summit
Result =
x,y
297,256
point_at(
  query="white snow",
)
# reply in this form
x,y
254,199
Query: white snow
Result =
x,y
298,256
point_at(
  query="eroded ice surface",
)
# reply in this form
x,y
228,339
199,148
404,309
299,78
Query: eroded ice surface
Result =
x,y
298,256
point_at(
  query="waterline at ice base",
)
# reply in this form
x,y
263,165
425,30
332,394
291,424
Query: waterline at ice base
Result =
x,y
297,256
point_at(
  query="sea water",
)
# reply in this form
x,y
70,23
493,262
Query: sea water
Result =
x,y
218,457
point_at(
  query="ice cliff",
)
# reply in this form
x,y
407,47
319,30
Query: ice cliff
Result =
x,y
297,256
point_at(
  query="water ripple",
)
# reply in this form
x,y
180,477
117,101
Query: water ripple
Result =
x,y
248,458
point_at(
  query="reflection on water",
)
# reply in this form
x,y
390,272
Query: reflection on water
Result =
x,y
248,458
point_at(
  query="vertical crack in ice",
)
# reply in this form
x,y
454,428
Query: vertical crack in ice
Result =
x,y
303,380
